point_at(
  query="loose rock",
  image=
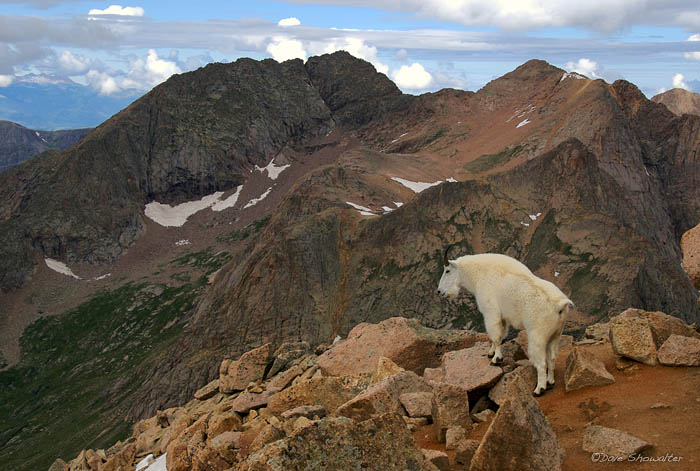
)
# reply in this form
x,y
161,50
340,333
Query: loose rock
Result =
x,y
612,442
584,369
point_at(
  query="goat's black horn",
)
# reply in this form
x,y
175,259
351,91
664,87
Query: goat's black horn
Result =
x,y
447,262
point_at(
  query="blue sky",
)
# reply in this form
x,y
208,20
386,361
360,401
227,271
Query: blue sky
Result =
x,y
423,45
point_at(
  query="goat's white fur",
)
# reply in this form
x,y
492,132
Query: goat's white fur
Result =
x,y
508,293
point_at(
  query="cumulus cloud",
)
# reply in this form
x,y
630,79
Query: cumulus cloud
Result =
x,y
583,66
358,48
412,77
6,80
117,10
73,64
104,83
289,22
679,82
152,71
282,49
693,54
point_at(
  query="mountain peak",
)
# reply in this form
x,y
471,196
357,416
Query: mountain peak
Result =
x,y
679,101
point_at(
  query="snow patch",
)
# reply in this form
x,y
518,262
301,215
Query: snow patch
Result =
x,y
182,242
60,267
144,463
387,209
255,201
102,277
535,216
556,274
416,187
523,123
451,180
397,139
37,134
157,465
362,209
398,204
574,75
228,202
336,339
273,171
176,216
526,224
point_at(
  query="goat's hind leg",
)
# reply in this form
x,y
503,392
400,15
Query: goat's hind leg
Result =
x,y
552,352
536,352
496,330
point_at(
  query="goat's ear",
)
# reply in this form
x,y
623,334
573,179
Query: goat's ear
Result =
x,y
453,264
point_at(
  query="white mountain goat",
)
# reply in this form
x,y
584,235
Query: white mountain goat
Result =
x,y
508,293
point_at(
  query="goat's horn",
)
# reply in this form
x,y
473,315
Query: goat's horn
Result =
x,y
447,262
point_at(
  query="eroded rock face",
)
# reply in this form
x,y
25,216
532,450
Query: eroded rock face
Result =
x,y
380,443
519,438
450,408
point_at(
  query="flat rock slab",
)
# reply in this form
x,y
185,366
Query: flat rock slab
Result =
x,y
584,369
417,404
329,392
612,442
207,391
404,341
680,351
519,438
632,338
309,412
470,368
385,368
248,400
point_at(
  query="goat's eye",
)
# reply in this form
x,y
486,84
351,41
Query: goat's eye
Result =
x,y
447,271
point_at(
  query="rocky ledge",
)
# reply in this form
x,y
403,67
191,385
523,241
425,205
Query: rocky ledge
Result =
x,y
392,396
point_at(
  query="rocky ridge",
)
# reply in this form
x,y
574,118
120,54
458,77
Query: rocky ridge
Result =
x,y
309,416
679,101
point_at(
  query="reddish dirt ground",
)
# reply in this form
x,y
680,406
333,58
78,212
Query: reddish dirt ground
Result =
x,y
673,429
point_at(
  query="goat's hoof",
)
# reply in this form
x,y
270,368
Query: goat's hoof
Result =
x,y
490,355
538,394
550,385
496,361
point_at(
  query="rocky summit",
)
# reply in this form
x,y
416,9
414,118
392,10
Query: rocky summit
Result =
x,y
255,205
404,422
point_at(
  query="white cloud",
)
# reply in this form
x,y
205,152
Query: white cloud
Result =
x,y
104,83
679,82
412,77
282,49
358,48
289,22
73,64
693,54
152,71
117,10
583,66
6,80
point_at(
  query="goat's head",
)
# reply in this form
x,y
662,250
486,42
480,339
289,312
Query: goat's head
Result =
x,y
449,282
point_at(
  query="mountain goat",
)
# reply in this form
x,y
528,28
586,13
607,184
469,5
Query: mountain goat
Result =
x,y
508,293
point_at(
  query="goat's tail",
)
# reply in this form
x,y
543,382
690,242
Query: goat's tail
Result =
x,y
564,306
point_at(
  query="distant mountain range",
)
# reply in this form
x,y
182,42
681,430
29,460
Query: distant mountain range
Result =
x,y
53,103
679,101
18,143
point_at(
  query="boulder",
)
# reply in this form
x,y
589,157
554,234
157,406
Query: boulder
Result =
x,y
450,408
248,400
454,436
122,460
287,354
436,375
632,338
418,404
438,458
680,351
250,367
182,449
329,392
584,369
58,465
384,369
268,434
310,412
285,378
383,397
465,452
381,443
519,438
612,442
406,342
470,368
224,422
483,416
207,391
598,331
527,373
